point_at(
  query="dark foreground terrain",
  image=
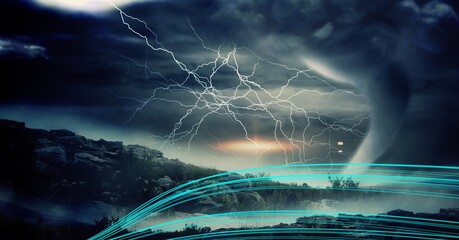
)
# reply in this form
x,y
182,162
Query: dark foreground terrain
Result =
x,y
397,224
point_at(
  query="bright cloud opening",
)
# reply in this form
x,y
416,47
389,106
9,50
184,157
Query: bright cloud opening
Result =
x,y
91,6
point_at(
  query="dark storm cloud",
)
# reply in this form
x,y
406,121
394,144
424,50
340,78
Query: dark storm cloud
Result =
x,y
407,47
390,50
90,43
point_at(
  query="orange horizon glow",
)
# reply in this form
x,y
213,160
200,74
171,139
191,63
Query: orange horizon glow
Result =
x,y
258,146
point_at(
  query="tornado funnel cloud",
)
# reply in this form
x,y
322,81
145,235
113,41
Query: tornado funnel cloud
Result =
x,y
387,95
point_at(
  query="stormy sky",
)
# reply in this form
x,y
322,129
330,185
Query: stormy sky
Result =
x,y
379,76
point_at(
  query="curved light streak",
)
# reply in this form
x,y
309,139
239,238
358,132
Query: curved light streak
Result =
x,y
440,182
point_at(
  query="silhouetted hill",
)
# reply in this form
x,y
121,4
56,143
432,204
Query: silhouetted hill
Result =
x,y
60,165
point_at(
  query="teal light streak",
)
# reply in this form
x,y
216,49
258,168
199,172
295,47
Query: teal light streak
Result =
x,y
181,194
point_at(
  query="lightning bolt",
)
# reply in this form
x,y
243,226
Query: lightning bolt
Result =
x,y
248,99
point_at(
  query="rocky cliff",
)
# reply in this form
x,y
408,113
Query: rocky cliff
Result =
x,y
61,165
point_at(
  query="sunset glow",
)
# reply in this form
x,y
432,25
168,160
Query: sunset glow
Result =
x,y
256,147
